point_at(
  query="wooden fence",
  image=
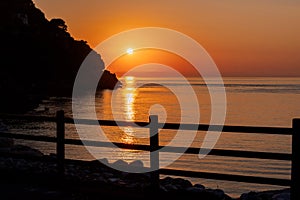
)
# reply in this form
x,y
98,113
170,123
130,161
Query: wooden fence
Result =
x,y
154,125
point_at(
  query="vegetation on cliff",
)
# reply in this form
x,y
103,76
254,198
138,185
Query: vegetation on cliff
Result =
x,y
39,57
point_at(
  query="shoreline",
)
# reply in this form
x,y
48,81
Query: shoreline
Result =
x,y
19,164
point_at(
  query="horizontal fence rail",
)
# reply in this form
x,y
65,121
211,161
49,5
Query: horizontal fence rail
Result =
x,y
167,149
60,140
170,126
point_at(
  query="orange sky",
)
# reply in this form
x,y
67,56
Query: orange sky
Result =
x,y
126,62
245,38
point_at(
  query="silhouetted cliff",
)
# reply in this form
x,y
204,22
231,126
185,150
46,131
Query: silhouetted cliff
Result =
x,y
38,57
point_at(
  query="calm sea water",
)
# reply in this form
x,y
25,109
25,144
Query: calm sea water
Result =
x,y
250,101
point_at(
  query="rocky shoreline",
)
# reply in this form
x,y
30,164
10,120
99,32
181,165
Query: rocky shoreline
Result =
x,y
32,173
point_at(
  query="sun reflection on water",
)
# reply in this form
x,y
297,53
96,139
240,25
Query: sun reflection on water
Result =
x,y
129,107
128,136
129,94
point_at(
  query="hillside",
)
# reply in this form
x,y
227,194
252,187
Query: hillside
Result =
x,y
39,58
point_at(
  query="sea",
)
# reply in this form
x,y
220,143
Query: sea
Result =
x,y
246,101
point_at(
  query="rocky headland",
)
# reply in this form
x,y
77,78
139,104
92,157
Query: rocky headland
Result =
x,y
39,58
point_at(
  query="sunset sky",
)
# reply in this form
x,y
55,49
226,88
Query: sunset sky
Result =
x,y
245,38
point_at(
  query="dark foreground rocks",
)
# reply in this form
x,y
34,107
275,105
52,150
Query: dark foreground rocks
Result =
x,y
38,179
268,195
28,174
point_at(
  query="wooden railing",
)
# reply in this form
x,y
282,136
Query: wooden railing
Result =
x,y
154,125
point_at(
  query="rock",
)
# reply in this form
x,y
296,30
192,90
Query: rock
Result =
x,y
114,180
136,163
120,163
267,195
104,161
219,193
194,189
108,175
215,194
133,185
199,186
175,183
5,150
96,174
3,127
6,142
282,196
52,156
170,188
99,162
136,178
166,181
162,188
182,183
250,196
101,179
26,151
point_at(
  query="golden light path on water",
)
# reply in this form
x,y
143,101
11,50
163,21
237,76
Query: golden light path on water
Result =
x,y
129,94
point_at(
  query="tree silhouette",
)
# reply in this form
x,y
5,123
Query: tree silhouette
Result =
x,y
59,23
40,57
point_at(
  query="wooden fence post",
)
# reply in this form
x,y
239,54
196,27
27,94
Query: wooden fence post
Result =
x,y
295,179
60,144
154,154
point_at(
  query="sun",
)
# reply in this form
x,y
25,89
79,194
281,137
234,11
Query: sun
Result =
x,y
129,51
